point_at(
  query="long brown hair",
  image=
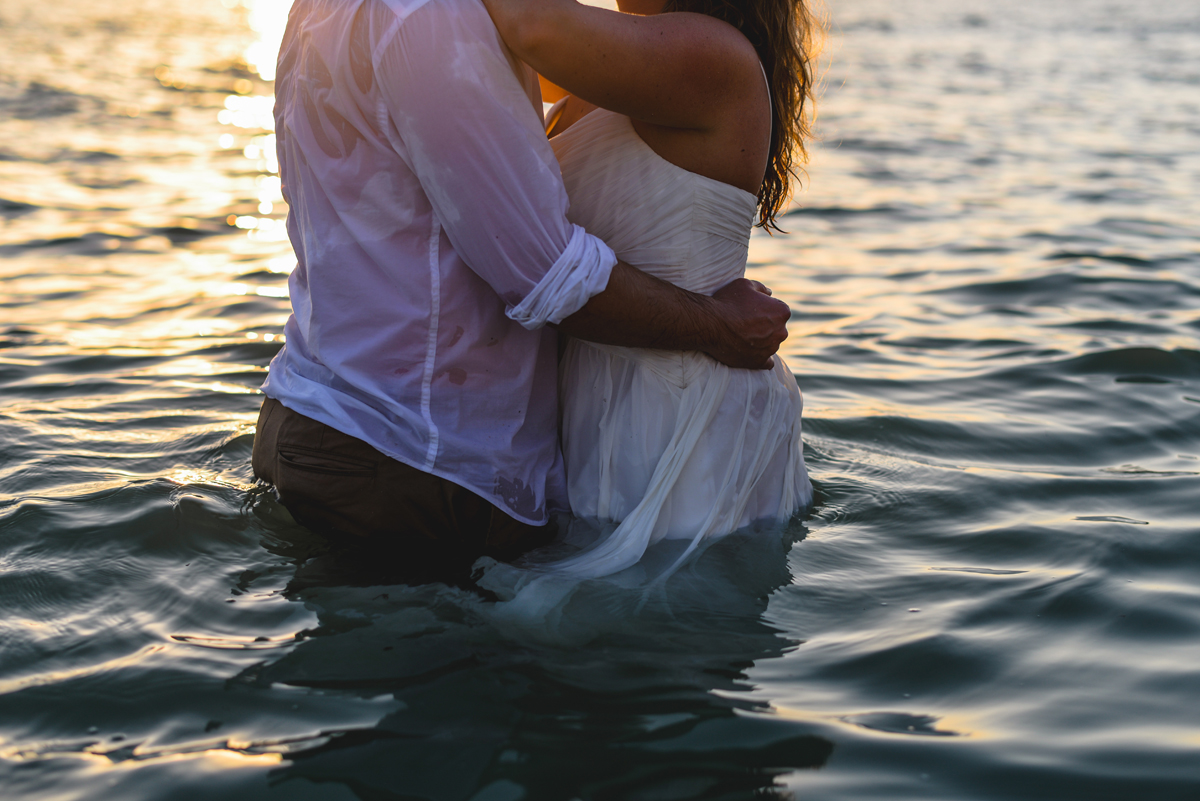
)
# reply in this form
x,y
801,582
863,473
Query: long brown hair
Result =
x,y
787,36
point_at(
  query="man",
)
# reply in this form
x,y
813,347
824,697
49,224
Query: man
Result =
x,y
415,400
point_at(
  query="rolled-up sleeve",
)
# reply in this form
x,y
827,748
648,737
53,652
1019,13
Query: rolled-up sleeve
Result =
x,y
462,122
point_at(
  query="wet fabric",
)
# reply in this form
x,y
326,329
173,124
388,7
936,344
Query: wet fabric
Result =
x,y
351,493
671,444
428,218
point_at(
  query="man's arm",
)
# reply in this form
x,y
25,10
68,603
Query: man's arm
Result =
x,y
471,136
740,325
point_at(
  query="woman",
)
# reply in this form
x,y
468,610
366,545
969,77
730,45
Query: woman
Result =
x,y
681,129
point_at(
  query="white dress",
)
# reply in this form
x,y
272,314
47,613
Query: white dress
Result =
x,y
672,444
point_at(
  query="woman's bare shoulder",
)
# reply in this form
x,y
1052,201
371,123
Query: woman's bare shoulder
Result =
x,y
715,43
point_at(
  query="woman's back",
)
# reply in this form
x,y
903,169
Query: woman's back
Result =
x,y
677,225
672,444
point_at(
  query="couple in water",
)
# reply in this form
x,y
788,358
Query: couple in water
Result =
x,y
444,243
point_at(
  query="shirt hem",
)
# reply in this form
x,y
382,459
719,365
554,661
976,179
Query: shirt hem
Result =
x,y
319,414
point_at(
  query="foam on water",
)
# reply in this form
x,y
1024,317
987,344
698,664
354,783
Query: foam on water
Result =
x,y
995,276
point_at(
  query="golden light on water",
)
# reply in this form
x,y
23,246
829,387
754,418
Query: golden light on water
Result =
x,y
253,114
994,285
268,18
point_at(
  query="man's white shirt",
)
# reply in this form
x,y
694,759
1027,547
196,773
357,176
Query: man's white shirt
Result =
x,y
428,217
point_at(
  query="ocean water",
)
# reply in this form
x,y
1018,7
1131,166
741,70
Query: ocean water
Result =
x,y
994,266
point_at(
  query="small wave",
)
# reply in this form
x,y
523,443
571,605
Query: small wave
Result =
x,y
16,208
900,723
846,211
1073,289
1116,325
1137,365
1118,258
41,101
983,571
875,146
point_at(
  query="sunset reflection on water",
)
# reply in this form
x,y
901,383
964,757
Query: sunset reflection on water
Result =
x,y
994,275
253,115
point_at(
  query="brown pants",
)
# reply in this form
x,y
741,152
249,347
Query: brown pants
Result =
x,y
343,488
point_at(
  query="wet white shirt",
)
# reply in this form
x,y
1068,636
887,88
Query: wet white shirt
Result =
x,y
428,217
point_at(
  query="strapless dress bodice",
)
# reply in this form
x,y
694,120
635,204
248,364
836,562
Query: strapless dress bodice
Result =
x,y
682,227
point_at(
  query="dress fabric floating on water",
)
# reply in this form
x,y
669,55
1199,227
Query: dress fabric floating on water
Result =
x,y
672,444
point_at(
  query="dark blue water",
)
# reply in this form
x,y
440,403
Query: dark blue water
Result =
x,y
995,273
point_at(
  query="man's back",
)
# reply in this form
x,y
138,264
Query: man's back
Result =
x,y
428,217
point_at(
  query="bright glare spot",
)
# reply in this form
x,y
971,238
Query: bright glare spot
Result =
x,y
268,337
251,335
270,190
267,144
186,476
268,18
270,185
224,758
268,230
254,111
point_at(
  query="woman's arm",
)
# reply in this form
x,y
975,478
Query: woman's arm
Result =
x,y
675,70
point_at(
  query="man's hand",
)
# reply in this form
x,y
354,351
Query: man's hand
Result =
x,y
741,325
753,325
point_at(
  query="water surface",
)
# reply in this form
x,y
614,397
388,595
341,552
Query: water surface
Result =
x,y
994,268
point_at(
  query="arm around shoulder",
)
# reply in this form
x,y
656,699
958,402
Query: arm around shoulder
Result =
x,y
487,169
677,69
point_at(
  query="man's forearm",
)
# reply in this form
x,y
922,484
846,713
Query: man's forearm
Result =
x,y
637,310
740,325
